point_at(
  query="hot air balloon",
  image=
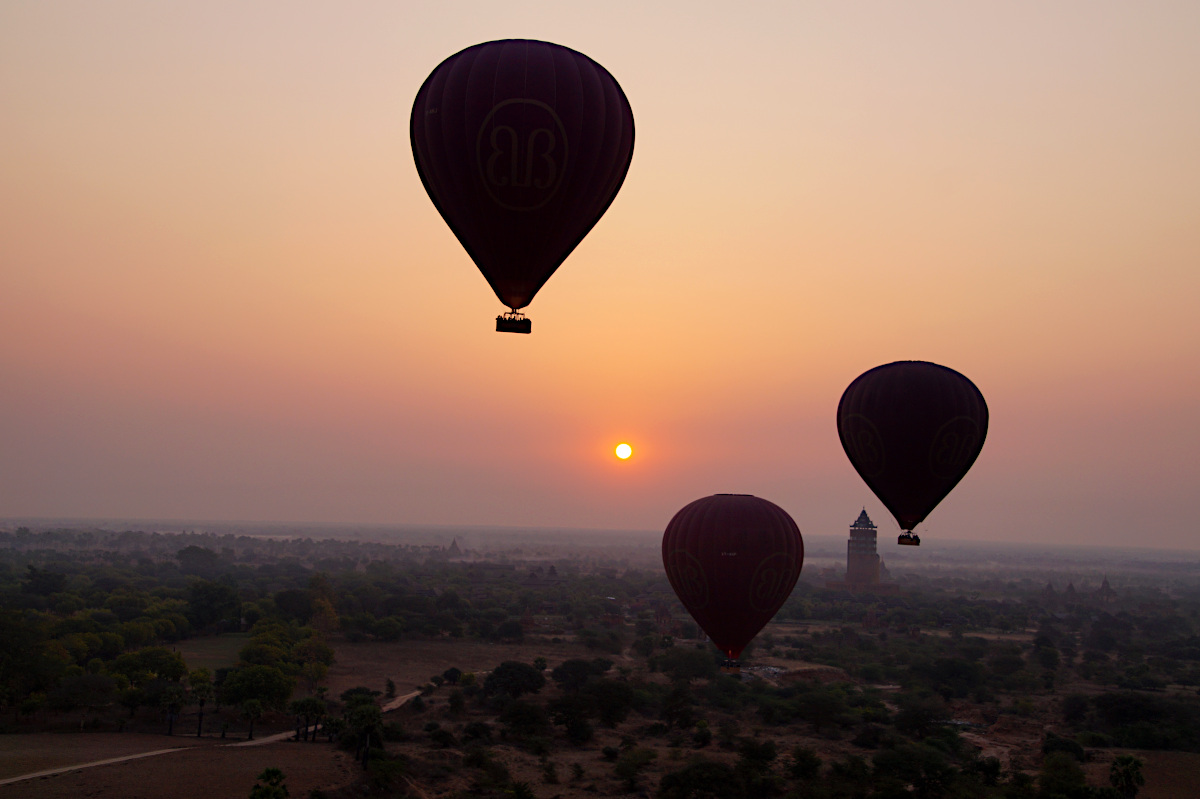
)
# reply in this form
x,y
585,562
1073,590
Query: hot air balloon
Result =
x,y
912,429
733,560
522,146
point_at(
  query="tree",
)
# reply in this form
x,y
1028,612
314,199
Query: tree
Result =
x,y
199,561
201,685
514,679
172,699
252,711
613,700
571,675
805,764
267,684
210,602
274,787
684,665
630,763
43,583
311,709
1126,775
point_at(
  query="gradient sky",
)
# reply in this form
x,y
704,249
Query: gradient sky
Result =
x,y
224,293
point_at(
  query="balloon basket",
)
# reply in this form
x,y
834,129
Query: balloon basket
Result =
x,y
731,667
909,540
513,323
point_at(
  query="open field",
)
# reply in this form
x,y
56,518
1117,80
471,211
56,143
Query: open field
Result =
x,y
213,652
23,754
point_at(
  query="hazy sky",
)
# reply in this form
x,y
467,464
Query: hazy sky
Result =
x,y
224,293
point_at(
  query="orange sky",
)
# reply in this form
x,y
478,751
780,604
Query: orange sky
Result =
x,y
224,293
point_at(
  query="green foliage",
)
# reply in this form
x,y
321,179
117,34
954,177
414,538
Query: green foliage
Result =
x,y
513,679
804,764
684,665
266,684
1055,743
630,764
1125,775
270,785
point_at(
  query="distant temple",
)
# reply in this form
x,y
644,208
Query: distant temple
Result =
x,y
863,566
1104,595
862,561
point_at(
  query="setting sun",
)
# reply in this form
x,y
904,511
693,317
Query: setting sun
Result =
x,y
624,451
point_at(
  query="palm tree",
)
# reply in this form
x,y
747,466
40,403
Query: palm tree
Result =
x,y
252,710
172,700
202,690
311,709
1126,775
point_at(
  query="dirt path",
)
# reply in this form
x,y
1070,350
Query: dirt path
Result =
x,y
64,769
393,704
396,703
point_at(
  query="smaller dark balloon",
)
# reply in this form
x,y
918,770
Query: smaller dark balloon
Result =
x,y
733,560
912,430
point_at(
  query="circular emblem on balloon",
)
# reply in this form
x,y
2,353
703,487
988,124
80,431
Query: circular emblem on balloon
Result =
x,y
772,574
522,153
954,447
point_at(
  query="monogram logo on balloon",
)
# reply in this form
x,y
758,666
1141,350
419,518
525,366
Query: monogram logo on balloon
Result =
x,y
688,579
954,445
522,154
864,445
771,575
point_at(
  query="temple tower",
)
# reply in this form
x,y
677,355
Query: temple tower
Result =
x,y
862,560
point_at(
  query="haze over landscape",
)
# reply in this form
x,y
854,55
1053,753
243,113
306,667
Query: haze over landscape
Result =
x,y
224,293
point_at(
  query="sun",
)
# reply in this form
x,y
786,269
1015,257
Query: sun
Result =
x,y
624,451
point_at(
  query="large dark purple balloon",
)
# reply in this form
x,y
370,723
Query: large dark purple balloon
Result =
x,y
733,560
912,429
522,146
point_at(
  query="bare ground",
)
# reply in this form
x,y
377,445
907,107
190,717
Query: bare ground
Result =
x,y
23,754
201,772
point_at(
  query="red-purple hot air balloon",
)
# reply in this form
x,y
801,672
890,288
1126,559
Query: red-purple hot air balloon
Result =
x,y
912,429
733,560
522,145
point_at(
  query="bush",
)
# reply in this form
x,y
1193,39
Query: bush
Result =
x,y
1055,743
804,765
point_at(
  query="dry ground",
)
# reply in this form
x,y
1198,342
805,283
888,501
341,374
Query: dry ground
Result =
x,y
1169,775
202,772
24,754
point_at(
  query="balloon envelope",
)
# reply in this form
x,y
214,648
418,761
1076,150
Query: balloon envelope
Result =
x,y
733,560
522,145
912,429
